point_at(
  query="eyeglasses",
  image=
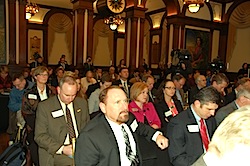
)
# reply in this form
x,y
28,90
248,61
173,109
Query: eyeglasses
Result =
x,y
45,75
173,88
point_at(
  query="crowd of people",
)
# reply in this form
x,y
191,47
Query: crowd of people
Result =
x,y
119,117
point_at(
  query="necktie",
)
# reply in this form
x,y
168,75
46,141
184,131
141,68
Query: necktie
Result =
x,y
71,130
125,88
132,157
204,136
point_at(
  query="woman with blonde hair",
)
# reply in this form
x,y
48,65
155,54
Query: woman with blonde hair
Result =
x,y
143,110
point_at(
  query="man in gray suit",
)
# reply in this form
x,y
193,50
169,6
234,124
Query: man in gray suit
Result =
x,y
111,138
230,144
242,99
58,120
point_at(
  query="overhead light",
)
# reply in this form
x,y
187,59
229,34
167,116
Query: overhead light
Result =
x,y
194,5
31,9
113,21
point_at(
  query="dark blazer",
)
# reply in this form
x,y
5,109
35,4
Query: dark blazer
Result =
x,y
230,97
119,83
162,107
223,112
192,92
186,147
50,132
99,145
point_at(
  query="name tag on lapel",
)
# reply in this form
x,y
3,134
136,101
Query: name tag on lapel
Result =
x,y
134,125
32,96
79,110
57,113
193,128
168,113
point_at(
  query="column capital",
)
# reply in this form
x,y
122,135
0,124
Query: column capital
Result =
x,y
133,11
82,4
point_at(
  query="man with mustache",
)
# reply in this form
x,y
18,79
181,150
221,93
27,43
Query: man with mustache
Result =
x,y
111,138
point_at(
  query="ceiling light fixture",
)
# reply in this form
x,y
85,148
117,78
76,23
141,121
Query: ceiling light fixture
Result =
x,y
194,5
113,21
31,9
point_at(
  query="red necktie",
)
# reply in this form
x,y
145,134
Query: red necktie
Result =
x,y
204,136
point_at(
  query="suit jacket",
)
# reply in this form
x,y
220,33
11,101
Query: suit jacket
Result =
x,y
230,97
186,147
119,83
193,91
99,144
161,108
223,112
200,162
51,131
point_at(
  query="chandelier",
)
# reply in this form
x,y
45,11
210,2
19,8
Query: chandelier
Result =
x,y
31,9
194,5
113,21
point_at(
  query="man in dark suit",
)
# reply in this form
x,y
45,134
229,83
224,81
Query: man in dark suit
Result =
x,y
190,131
243,99
230,144
58,120
123,81
241,83
104,142
200,82
149,80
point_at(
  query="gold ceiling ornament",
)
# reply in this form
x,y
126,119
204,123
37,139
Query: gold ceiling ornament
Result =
x,y
114,21
194,5
31,9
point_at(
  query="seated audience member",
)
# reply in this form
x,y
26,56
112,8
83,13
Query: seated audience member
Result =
x,y
123,81
242,83
208,77
63,63
98,74
38,61
220,81
139,106
242,99
149,80
244,70
230,144
112,73
20,84
167,105
135,77
27,75
56,79
190,131
122,64
59,120
51,75
79,88
179,81
88,66
200,82
110,139
5,79
88,80
93,100
39,92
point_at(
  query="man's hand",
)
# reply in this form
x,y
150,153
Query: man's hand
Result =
x,y
67,150
162,141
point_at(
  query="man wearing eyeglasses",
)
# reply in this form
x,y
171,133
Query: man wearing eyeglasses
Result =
x,y
243,99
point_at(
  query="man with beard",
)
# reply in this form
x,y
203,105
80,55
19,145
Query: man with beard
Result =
x,y
111,138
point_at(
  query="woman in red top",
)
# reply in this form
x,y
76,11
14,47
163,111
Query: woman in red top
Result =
x,y
143,111
5,80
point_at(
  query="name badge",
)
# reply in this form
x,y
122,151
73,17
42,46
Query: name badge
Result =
x,y
134,125
168,113
57,113
193,128
32,96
